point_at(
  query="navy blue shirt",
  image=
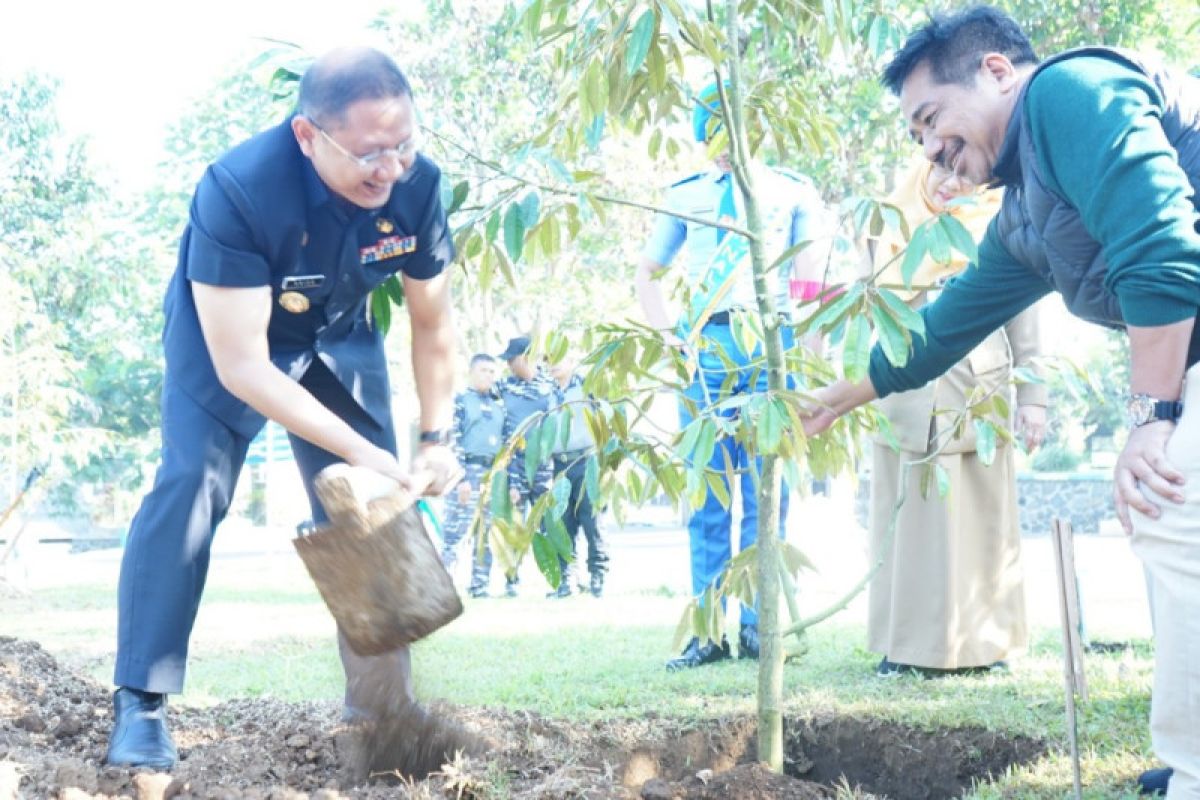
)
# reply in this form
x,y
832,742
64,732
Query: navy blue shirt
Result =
x,y
261,216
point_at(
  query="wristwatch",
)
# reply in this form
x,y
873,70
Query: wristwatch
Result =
x,y
439,436
1142,408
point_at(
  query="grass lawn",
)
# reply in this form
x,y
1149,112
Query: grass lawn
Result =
x,y
584,659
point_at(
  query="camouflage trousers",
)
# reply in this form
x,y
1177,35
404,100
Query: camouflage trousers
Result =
x,y
456,525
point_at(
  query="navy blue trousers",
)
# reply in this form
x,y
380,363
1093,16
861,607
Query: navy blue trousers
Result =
x,y
167,551
710,527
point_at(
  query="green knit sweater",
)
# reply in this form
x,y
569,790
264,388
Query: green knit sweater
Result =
x,y
1096,128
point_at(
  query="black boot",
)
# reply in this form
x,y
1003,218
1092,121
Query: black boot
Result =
x,y
140,737
748,641
696,656
597,584
1154,781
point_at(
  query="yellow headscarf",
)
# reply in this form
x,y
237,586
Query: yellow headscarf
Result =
x,y
912,198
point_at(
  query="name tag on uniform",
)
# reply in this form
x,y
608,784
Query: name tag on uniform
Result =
x,y
387,247
302,282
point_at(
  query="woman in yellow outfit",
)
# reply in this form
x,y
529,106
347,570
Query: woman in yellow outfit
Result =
x,y
950,593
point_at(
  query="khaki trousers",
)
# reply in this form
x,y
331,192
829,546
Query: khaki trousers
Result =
x,y
1169,547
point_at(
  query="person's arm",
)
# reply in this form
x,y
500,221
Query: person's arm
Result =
x,y
647,283
1097,128
431,320
1156,358
810,223
1024,339
972,305
234,322
665,242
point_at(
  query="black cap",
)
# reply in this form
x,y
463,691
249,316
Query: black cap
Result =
x,y
517,346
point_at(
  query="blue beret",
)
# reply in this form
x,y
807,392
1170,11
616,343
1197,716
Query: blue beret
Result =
x,y
705,123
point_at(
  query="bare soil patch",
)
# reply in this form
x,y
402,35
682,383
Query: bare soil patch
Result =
x,y
54,726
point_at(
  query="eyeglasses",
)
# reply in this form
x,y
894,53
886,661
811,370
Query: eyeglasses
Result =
x,y
371,161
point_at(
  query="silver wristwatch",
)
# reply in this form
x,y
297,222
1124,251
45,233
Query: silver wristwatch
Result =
x,y
1142,408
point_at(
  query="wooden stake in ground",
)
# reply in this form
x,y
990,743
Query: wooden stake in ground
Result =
x,y
1062,538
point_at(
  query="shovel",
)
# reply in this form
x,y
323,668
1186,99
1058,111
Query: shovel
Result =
x,y
374,563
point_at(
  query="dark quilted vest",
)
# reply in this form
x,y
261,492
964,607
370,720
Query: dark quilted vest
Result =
x,y
1045,233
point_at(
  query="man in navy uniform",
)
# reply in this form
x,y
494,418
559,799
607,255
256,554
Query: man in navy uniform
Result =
x,y
478,428
266,317
721,281
527,390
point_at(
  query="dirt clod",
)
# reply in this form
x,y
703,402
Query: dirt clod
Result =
x,y
151,785
32,723
657,789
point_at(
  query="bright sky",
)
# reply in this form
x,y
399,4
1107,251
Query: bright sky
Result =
x,y
129,67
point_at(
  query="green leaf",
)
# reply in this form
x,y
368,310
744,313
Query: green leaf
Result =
x,y
794,559
381,309
833,309
705,444
457,197
943,480
639,43
770,428
939,243
546,556
514,232
557,533
683,630
533,458
561,492
394,289
501,503
493,226
903,312
959,237
914,254
530,206
789,254
591,481
1001,405
985,441
856,349
718,487
892,337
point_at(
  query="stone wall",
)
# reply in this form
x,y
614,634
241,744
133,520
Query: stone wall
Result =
x,y
1082,498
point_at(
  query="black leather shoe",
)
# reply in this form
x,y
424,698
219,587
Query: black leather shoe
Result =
x,y
748,642
1154,781
696,656
891,669
140,737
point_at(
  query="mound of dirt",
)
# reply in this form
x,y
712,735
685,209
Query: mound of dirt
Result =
x,y
54,727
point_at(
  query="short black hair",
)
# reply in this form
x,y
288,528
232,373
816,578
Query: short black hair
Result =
x,y
341,78
479,357
955,44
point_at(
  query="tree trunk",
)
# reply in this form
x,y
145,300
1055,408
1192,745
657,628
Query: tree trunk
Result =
x,y
770,666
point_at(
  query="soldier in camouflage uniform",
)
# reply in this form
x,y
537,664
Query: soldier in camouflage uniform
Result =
x,y
571,460
478,427
526,391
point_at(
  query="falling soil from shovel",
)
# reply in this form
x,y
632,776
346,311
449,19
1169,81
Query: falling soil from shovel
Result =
x,y
384,583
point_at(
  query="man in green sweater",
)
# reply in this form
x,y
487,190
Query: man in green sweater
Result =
x,y
1099,153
